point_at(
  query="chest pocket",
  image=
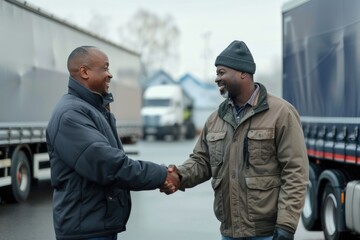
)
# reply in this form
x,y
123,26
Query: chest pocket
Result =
x,y
216,144
261,146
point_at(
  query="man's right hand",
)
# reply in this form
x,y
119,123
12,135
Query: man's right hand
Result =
x,y
172,182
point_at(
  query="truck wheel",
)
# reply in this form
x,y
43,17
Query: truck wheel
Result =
x,y
176,132
309,214
330,206
160,137
20,179
190,131
329,212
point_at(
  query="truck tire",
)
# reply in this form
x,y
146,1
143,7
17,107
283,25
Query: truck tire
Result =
x,y
330,210
176,132
20,173
309,215
159,136
190,131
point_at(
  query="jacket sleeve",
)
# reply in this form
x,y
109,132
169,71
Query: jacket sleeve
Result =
x,y
87,151
197,168
294,163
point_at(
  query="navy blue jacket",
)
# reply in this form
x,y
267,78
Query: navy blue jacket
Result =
x,y
90,172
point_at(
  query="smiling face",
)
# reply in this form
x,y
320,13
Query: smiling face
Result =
x,y
97,71
229,81
90,66
239,86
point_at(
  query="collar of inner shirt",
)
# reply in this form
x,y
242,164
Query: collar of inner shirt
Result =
x,y
250,102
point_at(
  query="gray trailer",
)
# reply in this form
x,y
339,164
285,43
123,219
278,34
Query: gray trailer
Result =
x,y
33,76
321,78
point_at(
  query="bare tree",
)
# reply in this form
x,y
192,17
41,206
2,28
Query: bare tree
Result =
x,y
99,24
155,38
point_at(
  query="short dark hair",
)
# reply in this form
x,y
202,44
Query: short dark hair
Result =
x,y
79,52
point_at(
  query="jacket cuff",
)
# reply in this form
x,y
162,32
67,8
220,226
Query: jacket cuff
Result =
x,y
163,174
182,174
287,220
286,228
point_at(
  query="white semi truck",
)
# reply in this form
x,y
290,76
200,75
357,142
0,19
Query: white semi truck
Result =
x,y
167,111
33,76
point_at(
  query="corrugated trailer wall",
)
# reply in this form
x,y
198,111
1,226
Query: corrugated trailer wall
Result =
x,y
33,73
321,59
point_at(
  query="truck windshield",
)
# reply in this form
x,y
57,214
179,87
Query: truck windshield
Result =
x,y
157,103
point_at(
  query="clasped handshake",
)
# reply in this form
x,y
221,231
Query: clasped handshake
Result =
x,y
172,182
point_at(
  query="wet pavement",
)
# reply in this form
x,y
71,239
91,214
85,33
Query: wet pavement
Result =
x,y
154,216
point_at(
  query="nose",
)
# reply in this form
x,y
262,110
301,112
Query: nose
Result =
x,y
110,75
217,79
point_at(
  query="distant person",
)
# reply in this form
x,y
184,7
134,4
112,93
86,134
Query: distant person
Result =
x,y
187,113
90,172
253,149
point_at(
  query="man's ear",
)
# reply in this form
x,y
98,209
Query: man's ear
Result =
x,y
83,71
243,75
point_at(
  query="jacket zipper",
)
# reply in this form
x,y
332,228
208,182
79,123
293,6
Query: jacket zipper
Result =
x,y
246,147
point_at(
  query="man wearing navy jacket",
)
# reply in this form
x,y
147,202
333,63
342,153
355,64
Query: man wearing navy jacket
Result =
x,y
90,172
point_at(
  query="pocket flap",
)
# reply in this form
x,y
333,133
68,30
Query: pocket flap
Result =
x,y
263,183
214,136
261,134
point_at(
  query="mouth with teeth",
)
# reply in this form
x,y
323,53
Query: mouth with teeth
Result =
x,y
221,88
107,85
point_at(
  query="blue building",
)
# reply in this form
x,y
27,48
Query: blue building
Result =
x,y
206,97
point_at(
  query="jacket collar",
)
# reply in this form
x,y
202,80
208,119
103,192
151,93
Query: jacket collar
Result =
x,y
259,105
93,98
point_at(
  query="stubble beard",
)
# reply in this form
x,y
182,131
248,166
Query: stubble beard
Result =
x,y
225,94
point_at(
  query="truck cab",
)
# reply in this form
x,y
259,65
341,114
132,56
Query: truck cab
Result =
x,y
165,112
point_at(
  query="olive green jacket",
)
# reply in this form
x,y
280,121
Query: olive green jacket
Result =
x,y
259,168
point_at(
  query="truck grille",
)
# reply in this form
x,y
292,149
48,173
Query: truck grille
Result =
x,y
153,120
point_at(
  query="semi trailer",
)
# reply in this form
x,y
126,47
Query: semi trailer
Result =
x,y
321,78
33,76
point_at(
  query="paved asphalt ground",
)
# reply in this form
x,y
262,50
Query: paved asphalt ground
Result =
x,y
154,216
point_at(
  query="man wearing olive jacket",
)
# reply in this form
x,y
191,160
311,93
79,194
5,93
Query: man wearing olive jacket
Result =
x,y
90,172
253,149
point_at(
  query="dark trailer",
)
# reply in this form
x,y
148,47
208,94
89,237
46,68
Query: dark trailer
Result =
x,y
321,78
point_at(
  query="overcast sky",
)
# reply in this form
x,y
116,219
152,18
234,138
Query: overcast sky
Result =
x,y
256,22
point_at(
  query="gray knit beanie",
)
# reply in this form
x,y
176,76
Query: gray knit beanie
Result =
x,y
237,56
